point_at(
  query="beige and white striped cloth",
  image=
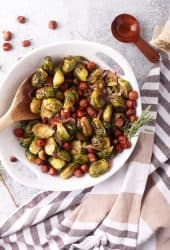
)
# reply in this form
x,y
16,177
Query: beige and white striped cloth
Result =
x,y
129,211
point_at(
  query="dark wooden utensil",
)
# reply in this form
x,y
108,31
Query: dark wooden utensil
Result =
x,y
126,28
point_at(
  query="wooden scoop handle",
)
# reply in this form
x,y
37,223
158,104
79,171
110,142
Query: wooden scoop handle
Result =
x,y
151,54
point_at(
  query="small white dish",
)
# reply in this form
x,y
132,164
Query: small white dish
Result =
x,y
29,174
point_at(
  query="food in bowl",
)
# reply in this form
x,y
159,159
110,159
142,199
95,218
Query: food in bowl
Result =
x,y
83,113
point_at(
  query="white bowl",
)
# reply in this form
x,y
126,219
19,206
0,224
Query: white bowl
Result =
x,y
29,174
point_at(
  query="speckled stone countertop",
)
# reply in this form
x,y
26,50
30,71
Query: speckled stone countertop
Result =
x,y
77,19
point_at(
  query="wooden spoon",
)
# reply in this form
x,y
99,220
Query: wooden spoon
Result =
x,y
126,28
19,109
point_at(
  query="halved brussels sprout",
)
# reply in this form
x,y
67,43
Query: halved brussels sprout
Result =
x,y
100,142
45,92
41,155
118,102
94,75
48,64
61,133
25,142
50,146
64,155
58,78
68,171
70,98
125,86
43,131
111,78
39,78
106,153
76,147
56,163
98,127
96,99
86,127
34,148
69,64
81,72
35,106
52,105
107,113
71,127
30,157
98,168
80,158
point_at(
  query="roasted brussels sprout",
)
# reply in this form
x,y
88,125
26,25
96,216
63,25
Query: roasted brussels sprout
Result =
x,y
76,147
41,130
96,99
106,153
118,102
58,78
52,105
98,168
64,155
35,106
45,92
111,78
34,148
124,86
56,163
50,146
81,72
25,142
71,128
86,127
61,133
48,64
98,127
95,75
69,64
101,143
107,113
80,159
31,157
39,78
70,98
68,171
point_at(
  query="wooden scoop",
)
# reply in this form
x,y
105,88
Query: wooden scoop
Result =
x,y
20,107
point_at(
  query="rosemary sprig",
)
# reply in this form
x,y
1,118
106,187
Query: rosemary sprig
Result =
x,y
140,122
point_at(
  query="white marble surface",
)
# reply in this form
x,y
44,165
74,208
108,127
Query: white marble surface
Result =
x,y
77,19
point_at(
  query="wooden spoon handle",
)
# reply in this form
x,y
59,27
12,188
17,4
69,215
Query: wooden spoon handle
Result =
x,y
5,121
151,54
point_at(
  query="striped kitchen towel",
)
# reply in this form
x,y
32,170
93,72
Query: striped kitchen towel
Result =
x,y
128,211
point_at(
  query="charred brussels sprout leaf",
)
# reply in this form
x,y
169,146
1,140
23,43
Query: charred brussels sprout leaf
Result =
x,y
25,142
62,133
95,75
98,127
68,171
69,64
86,126
45,92
64,155
35,106
98,168
106,153
39,78
41,130
80,159
107,113
58,78
118,101
96,99
48,64
70,98
81,72
125,86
